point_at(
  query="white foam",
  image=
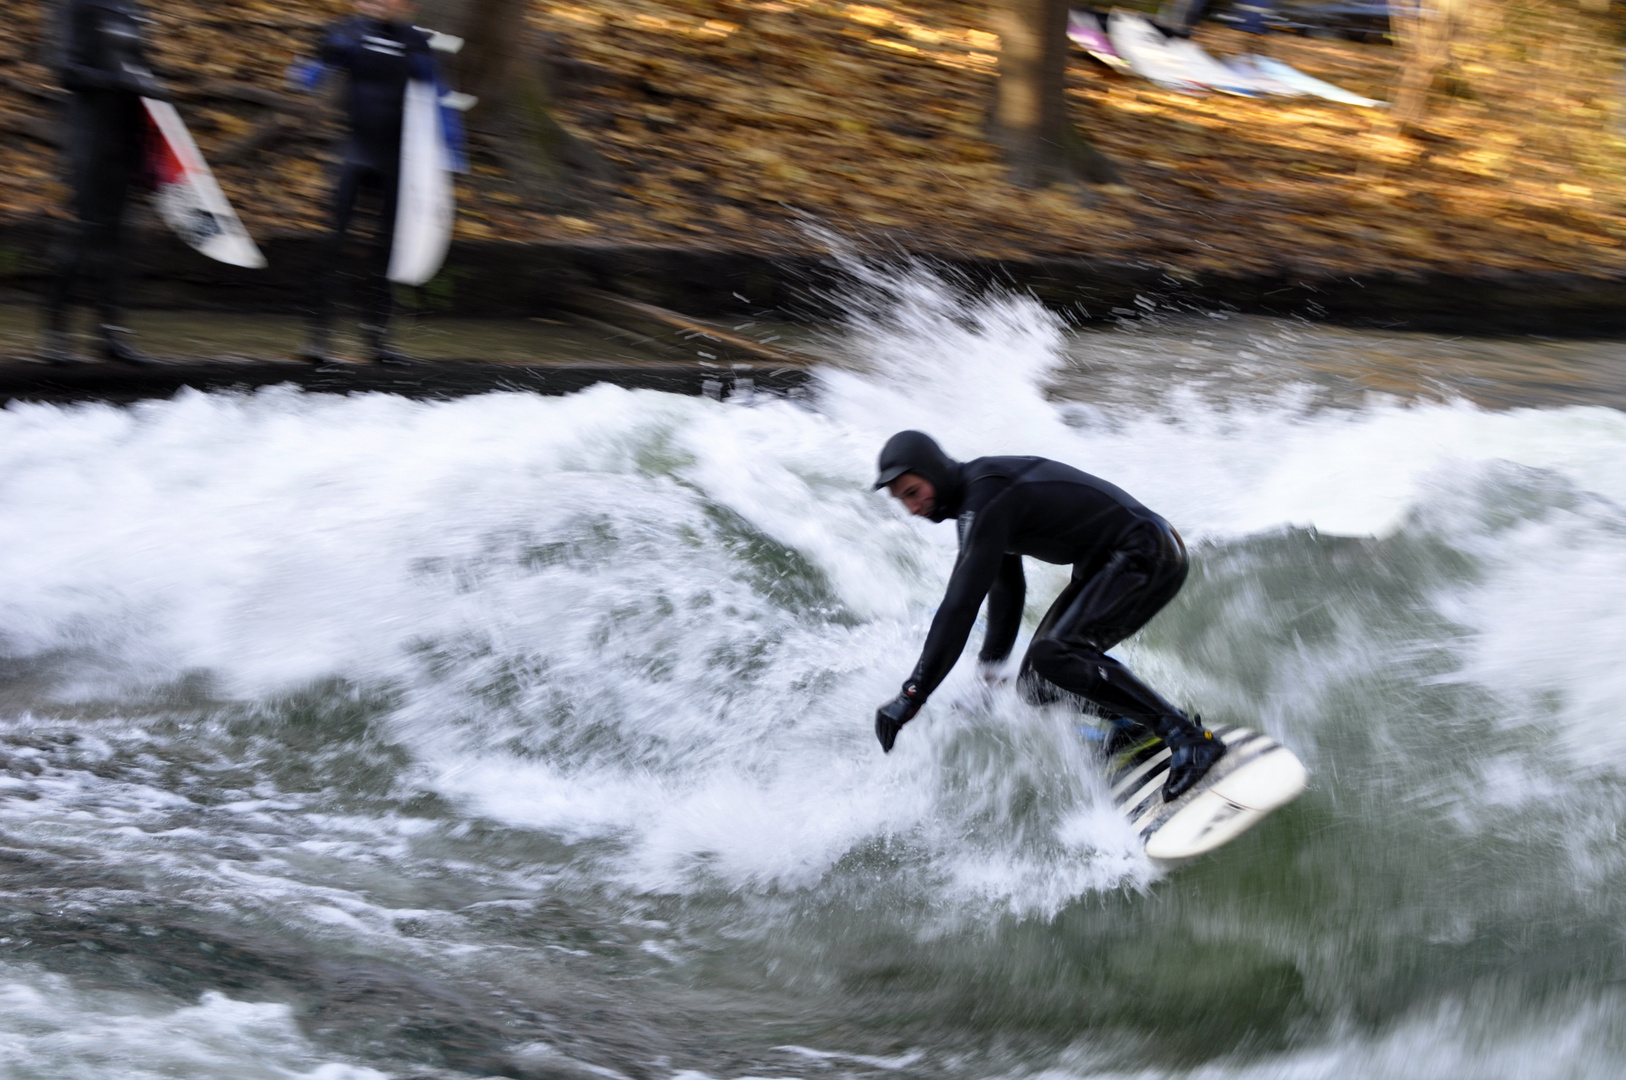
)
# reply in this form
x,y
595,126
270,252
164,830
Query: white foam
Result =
x,y
1454,1040
1548,610
50,1027
587,643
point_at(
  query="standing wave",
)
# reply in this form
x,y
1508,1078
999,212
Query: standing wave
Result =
x,y
617,652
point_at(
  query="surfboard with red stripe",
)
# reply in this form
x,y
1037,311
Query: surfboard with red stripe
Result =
x,y
188,197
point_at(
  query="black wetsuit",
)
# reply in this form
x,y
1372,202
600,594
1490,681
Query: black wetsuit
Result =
x,y
1127,564
102,66
379,58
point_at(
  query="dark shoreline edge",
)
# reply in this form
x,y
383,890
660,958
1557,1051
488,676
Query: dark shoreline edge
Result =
x,y
495,278
118,384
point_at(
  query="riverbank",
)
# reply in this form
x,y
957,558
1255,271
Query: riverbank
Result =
x,y
545,279
1129,366
122,385
732,127
451,357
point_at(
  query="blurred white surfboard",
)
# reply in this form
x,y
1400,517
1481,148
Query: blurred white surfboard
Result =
x,y
1147,51
1086,31
1291,76
426,204
1200,67
188,197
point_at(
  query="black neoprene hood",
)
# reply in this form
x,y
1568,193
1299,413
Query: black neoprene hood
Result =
x,y
918,453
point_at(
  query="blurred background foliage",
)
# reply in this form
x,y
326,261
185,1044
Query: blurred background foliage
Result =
x,y
734,124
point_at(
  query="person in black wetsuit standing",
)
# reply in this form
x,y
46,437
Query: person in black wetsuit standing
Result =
x,y
102,65
1127,564
380,51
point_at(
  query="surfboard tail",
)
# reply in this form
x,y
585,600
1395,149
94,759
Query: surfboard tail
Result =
x,y
1256,777
188,198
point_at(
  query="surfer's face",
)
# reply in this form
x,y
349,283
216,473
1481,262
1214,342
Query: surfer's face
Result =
x,y
915,493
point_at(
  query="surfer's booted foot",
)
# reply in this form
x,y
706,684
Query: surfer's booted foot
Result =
x,y
56,349
375,338
388,354
116,346
1193,751
1127,564
1122,736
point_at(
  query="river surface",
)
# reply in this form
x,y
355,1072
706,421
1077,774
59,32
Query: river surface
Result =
x,y
344,738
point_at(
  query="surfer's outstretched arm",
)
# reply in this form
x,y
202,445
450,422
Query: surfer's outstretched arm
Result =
x,y
981,562
946,639
1005,600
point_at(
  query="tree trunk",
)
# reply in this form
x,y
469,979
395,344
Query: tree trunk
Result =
x,y
1425,29
1029,121
493,31
501,65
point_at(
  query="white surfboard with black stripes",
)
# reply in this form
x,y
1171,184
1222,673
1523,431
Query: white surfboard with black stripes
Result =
x,y
1256,775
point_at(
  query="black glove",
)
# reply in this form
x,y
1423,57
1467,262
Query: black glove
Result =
x,y
889,718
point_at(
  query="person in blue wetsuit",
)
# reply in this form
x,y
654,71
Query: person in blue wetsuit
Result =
x,y
380,52
1127,564
102,65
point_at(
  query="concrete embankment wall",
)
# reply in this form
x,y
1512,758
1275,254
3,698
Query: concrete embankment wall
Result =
x,y
503,279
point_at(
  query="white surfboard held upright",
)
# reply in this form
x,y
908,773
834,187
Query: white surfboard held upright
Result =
x,y
1256,776
189,198
426,204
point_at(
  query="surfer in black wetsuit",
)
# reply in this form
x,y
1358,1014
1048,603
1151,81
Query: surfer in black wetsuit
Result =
x,y
380,51
102,65
1127,564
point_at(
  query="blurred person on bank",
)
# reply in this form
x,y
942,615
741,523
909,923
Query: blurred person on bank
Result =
x,y
380,51
101,62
